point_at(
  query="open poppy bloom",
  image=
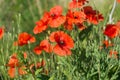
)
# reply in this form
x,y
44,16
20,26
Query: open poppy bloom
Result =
x,y
92,16
77,18
76,3
44,45
111,30
64,43
41,25
56,18
1,32
24,38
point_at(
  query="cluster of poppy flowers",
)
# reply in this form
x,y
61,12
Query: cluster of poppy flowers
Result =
x,y
59,42
54,19
15,66
76,15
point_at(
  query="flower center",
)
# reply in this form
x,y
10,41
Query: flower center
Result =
x,y
61,43
75,17
52,15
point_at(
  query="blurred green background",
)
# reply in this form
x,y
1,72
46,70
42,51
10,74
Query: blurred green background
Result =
x,y
27,12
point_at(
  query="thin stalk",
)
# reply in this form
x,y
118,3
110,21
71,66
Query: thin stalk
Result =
x,y
38,4
112,11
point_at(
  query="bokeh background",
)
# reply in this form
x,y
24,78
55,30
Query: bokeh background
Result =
x,y
27,12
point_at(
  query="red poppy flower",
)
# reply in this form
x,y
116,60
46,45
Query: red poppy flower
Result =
x,y
92,16
37,50
42,24
77,18
64,43
56,18
1,32
69,20
113,53
77,3
111,31
13,62
24,37
12,71
40,27
44,45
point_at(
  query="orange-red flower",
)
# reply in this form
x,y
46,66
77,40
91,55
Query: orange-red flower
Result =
x,y
11,72
64,43
92,16
1,32
111,30
69,20
79,17
76,17
77,3
24,38
56,18
41,25
113,53
12,64
37,50
44,45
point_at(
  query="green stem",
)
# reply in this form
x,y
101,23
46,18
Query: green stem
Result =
x,y
112,11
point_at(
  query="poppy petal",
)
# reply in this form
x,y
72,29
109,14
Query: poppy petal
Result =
x,y
11,72
61,52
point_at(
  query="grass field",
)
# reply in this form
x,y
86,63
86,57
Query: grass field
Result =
x,y
48,50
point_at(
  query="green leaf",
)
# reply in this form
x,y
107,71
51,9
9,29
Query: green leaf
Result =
x,y
42,77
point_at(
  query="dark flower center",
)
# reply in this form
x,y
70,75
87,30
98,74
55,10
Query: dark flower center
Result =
x,y
61,43
75,17
52,15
